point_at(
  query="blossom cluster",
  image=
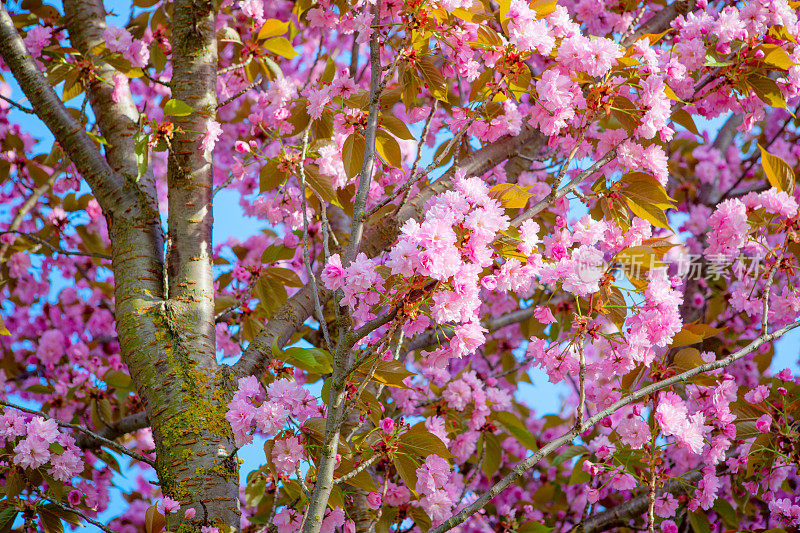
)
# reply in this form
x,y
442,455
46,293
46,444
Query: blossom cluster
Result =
x,y
268,412
38,442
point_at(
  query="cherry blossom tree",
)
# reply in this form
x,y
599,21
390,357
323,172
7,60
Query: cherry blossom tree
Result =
x,y
451,199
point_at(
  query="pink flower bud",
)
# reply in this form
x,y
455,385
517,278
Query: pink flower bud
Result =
x,y
763,423
387,425
189,513
74,497
241,147
374,500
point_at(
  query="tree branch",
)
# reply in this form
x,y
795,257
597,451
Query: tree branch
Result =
x,y
113,193
661,21
519,471
55,249
121,427
620,514
85,20
365,176
25,208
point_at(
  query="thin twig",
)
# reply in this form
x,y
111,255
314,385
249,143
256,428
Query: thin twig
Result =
x,y
30,203
240,92
18,106
109,443
581,384
237,66
76,512
312,277
563,191
156,80
370,134
372,325
356,471
412,178
301,480
54,249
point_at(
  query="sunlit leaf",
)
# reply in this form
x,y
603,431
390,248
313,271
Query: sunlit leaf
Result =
x,y
272,28
281,46
388,149
176,108
510,195
779,174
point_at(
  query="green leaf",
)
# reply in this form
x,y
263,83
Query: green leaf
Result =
x,y
389,373
322,184
433,78
284,275
419,441
275,253
97,138
50,522
407,468
421,519
578,475
517,428
726,511
142,156
313,360
281,46
254,491
712,61
775,56
699,522
271,293
7,517
15,484
493,455
176,108
117,379
778,172
396,127
636,261
154,521
647,198
653,214
270,177
362,480
67,516
569,453
693,333
684,118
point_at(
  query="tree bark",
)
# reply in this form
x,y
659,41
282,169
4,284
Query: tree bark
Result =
x,y
167,344
194,442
